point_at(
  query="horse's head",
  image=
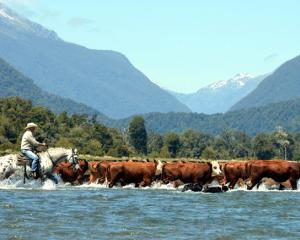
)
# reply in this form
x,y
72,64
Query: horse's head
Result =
x,y
57,155
73,158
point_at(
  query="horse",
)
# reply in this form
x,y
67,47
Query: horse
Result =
x,y
10,164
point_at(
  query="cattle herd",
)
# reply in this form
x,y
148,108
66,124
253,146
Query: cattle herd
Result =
x,y
194,175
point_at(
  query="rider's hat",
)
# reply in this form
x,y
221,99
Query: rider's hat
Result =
x,y
31,125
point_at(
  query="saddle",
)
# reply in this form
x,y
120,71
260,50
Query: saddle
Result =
x,y
23,160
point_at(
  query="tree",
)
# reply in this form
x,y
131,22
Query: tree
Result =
x,y
192,143
138,135
263,147
208,153
102,135
155,144
282,142
172,143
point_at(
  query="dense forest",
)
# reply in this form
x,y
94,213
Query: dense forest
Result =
x,y
251,121
91,137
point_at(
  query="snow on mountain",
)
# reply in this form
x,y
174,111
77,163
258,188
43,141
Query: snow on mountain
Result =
x,y
238,80
220,96
103,79
10,19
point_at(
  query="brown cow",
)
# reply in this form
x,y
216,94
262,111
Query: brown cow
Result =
x,y
68,173
201,173
278,170
98,171
233,172
140,173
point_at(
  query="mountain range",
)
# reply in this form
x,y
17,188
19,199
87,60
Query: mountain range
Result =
x,y
103,80
282,85
13,83
219,97
251,121
36,64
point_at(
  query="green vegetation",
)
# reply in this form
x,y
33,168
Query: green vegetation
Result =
x,y
13,83
93,138
138,135
282,85
251,121
79,131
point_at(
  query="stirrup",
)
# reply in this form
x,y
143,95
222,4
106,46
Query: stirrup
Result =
x,y
34,175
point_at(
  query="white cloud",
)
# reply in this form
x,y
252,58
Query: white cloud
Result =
x,y
79,21
271,57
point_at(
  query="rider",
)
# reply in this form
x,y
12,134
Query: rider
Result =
x,y
27,146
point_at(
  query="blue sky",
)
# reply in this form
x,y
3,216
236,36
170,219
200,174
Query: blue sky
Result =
x,y
180,45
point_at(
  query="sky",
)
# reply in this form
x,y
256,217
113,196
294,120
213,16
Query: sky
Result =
x,y
180,45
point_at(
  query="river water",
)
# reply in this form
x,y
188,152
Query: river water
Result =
x,y
49,211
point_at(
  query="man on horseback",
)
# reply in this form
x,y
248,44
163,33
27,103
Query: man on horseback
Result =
x,y
27,147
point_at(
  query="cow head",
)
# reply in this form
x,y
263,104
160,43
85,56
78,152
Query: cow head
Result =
x,y
93,166
159,168
215,169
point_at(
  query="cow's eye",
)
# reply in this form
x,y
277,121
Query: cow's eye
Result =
x,y
215,167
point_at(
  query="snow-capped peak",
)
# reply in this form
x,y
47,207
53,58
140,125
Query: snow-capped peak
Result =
x,y
238,80
5,15
10,21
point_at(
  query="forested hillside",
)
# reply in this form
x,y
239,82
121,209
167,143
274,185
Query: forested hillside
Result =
x,y
252,121
104,80
13,83
90,137
282,85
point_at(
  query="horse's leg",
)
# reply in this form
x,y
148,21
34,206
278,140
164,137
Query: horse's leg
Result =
x,y
51,177
24,173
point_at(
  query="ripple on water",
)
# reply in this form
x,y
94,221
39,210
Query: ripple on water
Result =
x,y
158,212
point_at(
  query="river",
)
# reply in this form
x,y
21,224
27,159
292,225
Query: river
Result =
x,y
49,211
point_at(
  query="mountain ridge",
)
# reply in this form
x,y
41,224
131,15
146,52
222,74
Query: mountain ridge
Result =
x,y
219,97
282,85
13,83
251,121
103,79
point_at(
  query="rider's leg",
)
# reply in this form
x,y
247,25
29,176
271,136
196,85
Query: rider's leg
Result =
x,y
33,157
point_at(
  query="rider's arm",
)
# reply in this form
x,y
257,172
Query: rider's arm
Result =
x,y
33,141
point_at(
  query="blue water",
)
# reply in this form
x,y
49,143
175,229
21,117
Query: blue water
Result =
x,y
68,212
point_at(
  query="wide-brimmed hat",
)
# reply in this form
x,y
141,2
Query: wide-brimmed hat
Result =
x,y
31,125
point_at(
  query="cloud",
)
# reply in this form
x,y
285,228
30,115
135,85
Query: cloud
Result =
x,y
46,13
79,22
21,6
271,57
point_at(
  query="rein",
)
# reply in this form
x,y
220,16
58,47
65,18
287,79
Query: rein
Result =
x,y
54,163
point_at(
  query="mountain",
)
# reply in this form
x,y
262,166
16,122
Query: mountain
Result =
x,y
282,85
252,120
13,83
220,96
104,80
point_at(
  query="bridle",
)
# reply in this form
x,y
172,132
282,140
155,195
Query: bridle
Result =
x,y
73,159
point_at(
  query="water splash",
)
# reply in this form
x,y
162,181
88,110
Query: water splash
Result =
x,y
49,185
16,183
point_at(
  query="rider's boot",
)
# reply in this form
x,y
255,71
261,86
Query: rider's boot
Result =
x,y
34,174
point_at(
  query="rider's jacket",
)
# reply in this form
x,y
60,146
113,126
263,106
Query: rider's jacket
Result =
x,y
28,141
